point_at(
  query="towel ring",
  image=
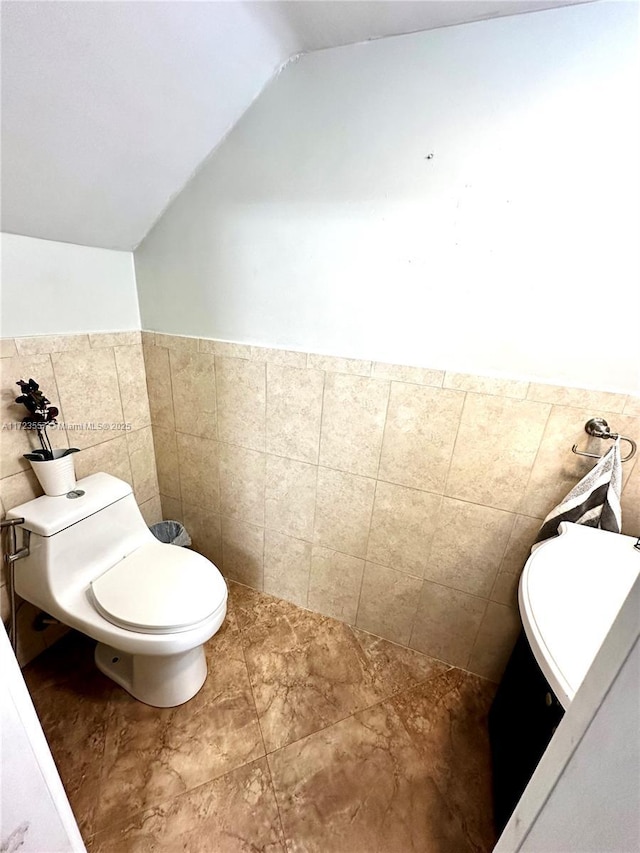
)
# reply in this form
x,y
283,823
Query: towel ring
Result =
x,y
599,428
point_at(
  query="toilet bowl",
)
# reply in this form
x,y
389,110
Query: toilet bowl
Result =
x,y
94,564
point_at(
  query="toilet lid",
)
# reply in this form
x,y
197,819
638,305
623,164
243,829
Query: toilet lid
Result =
x,y
159,589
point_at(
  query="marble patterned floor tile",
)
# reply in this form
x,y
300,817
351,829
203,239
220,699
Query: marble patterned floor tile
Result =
x,y
371,746
395,668
72,715
236,813
362,786
446,719
308,671
310,685
152,754
263,618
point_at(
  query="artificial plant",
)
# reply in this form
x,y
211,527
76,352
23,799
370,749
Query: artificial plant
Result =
x,y
41,415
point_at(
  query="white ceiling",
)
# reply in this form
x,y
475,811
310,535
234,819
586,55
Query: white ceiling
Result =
x,y
109,107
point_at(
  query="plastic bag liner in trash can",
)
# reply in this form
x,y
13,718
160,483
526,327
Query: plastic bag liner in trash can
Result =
x,y
171,533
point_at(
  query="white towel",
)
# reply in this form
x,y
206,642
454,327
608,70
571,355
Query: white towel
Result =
x,y
594,501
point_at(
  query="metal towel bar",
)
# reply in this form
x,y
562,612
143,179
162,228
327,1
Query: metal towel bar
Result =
x,y
599,428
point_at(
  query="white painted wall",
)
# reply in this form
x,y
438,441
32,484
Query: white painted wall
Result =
x,y
107,108
323,222
59,288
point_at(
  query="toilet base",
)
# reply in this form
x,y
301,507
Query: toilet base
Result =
x,y
163,681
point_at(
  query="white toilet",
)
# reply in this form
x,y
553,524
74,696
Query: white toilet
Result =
x,y
94,564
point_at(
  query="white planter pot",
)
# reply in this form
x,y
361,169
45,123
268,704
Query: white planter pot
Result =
x,y
57,476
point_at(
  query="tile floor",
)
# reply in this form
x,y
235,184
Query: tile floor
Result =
x,y
307,736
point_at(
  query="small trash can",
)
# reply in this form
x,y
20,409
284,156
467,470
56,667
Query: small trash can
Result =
x,y
171,533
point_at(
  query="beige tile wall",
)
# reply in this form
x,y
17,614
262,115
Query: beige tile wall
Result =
x,y
97,378
400,499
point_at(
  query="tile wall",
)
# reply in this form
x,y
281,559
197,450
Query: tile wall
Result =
x,y
98,379
399,499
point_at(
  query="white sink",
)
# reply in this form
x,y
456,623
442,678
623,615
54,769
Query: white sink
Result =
x,y
570,592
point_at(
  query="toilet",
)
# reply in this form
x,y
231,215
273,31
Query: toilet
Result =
x,y
94,564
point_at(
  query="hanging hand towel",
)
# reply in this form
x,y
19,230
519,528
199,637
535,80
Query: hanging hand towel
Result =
x,y
595,501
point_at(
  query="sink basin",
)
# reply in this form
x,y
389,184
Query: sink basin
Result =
x,y
570,592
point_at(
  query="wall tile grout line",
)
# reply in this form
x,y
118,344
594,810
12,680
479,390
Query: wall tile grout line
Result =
x,y
317,465
445,488
477,634
535,458
264,493
62,412
173,412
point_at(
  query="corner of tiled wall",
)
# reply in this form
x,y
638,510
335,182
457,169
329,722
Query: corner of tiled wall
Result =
x,y
399,499
92,378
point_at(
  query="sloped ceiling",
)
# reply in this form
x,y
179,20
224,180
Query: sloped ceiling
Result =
x,y
109,107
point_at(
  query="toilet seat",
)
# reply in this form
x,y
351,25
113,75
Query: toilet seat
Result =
x,y
159,589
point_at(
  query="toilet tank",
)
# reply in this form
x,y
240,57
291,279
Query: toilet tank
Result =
x,y
73,540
